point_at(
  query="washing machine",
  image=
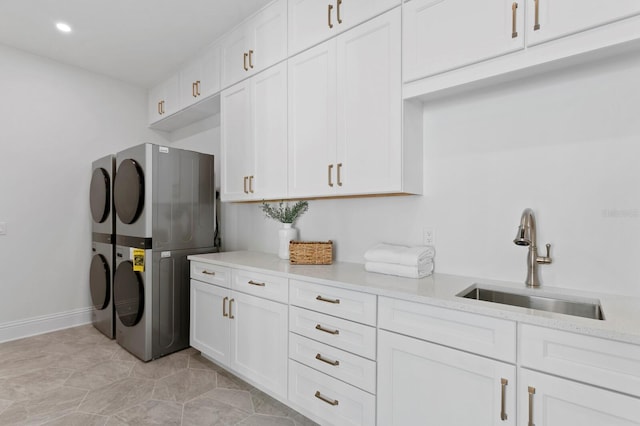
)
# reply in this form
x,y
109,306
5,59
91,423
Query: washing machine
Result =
x,y
102,248
164,198
151,296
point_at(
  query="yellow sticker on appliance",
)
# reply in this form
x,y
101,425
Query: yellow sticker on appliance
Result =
x,y
138,260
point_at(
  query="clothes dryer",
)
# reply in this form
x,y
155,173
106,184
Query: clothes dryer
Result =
x,y
102,250
152,303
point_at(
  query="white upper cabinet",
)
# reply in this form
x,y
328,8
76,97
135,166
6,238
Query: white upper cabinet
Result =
x,y
440,35
313,21
345,109
201,77
164,99
256,44
254,137
552,19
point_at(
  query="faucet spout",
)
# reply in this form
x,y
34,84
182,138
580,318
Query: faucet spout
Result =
x,y
526,236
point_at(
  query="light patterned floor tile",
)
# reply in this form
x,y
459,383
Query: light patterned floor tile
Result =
x,y
79,419
234,397
197,361
185,385
117,396
4,404
32,384
46,407
262,420
100,375
162,367
210,412
151,412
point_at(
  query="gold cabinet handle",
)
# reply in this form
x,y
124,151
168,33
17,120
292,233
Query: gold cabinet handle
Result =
x,y
197,87
251,184
323,359
250,58
193,89
324,299
338,3
330,169
532,391
245,184
536,25
245,62
224,307
339,178
326,330
329,9
230,308
503,412
329,401
252,282
514,17
160,108
208,272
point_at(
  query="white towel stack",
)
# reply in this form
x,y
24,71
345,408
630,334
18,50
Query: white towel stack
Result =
x,y
402,261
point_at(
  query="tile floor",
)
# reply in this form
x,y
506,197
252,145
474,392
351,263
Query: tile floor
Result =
x,y
78,377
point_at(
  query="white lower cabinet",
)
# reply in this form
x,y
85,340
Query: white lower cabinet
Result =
x,y
421,383
545,400
244,333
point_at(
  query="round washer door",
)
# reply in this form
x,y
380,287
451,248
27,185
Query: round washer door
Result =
x,y
128,195
100,195
99,282
128,294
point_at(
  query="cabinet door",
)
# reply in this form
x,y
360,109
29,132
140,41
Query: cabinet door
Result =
x,y
164,99
269,90
259,341
210,78
268,36
369,120
312,121
559,18
420,383
440,35
546,400
209,329
235,61
313,21
237,145
189,76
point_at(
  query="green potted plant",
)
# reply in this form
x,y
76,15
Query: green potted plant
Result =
x,y
287,215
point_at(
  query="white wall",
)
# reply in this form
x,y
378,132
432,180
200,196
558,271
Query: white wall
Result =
x,y
54,121
566,144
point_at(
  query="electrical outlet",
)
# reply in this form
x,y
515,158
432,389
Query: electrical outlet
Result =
x,y
3,228
428,237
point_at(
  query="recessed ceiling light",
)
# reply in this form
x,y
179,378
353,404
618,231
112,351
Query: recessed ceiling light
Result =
x,y
61,26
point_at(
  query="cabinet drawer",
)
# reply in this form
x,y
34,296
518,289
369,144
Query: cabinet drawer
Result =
x,y
351,305
209,273
492,337
342,365
261,285
605,363
347,335
332,400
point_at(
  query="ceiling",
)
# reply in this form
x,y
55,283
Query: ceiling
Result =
x,y
138,41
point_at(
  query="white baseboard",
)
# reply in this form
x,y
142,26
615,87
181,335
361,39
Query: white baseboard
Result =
x,y
44,324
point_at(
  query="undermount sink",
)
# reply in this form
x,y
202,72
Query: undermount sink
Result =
x,y
543,302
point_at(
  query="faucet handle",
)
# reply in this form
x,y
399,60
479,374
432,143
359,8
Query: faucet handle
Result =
x,y
548,249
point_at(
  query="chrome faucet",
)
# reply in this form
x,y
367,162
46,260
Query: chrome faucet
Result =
x,y
527,237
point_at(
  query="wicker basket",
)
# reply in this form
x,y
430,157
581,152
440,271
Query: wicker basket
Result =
x,y
310,252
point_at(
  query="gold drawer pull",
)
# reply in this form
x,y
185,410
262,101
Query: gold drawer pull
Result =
x,y
321,358
536,25
224,307
245,184
198,87
339,178
532,391
323,299
329,401
503,412
339,3
251,184
252,282
230,306
329,173
514,17
330,8
250,58
326,330
245,62
208,272
193,89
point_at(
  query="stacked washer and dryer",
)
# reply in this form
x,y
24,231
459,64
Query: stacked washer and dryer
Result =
x,y
102,245
164,201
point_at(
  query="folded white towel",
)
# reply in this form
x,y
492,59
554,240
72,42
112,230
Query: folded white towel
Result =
x,y
424,270
401,255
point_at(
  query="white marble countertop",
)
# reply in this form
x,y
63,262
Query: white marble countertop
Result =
x,y
621,313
